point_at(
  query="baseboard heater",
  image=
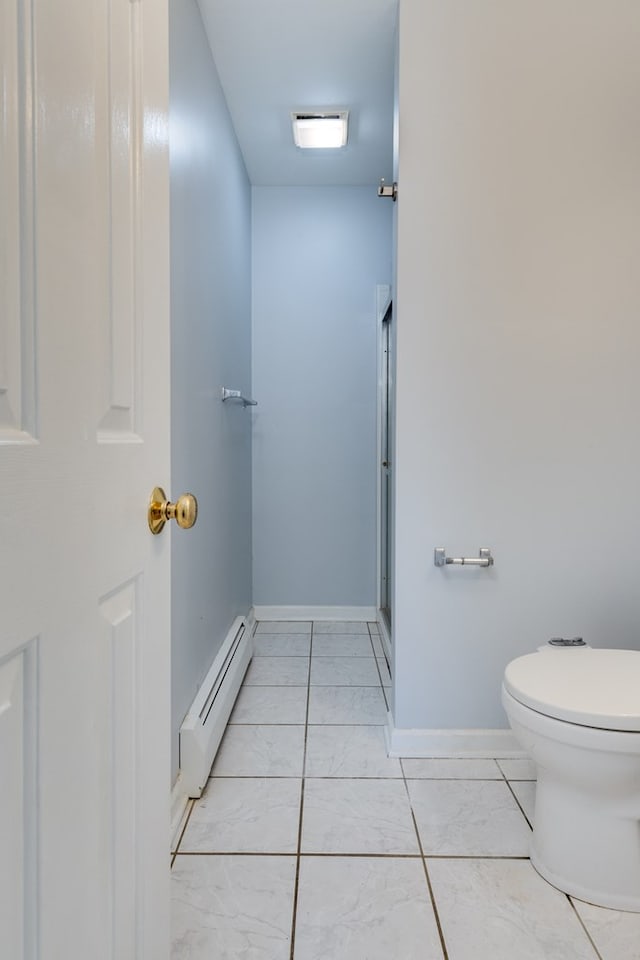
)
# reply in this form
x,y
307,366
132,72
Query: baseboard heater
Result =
x,y
204,725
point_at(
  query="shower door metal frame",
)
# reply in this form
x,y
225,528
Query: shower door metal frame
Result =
x,y
385,464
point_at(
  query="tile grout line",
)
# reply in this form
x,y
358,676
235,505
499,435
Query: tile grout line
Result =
x,y
520,807
365,855
584,927
375,656
300,686
286,776
296,885
237,853
426,871
384,657
182,832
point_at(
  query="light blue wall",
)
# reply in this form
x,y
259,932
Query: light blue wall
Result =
x,y
518,344
318,253
211,348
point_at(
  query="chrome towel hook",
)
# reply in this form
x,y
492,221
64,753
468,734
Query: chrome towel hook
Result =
x,y
237,395
388,190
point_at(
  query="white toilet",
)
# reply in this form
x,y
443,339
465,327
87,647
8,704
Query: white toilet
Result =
x,y
576,711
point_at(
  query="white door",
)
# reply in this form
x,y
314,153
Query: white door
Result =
x,y
84,414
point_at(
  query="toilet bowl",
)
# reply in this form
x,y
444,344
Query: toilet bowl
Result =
x,y
577,714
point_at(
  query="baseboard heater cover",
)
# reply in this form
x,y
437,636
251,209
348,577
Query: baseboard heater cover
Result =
x,y
204,725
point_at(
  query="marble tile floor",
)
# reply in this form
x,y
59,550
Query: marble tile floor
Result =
x,y
309,843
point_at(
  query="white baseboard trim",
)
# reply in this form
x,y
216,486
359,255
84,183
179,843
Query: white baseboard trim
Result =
x,y
314,613
462,744
179,810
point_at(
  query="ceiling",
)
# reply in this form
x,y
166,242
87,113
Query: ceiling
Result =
x,y
275,56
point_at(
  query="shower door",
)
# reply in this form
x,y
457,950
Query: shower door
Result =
x,y
386,467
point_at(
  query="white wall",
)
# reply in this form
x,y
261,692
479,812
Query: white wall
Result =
x,y
318,254
518,387
211,348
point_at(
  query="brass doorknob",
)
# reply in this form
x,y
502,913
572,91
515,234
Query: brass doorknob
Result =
x,y
184,511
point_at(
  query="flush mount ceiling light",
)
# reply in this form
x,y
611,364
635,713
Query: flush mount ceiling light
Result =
x,y
320,131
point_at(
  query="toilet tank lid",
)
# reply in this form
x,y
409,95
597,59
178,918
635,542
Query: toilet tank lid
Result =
x,y
594,688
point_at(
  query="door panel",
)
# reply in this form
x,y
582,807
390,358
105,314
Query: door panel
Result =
x,y
17,342
120,419
84,710
121,643
17,810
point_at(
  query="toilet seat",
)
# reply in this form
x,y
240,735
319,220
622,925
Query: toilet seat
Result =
x,y
590,687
